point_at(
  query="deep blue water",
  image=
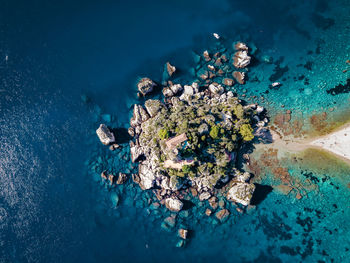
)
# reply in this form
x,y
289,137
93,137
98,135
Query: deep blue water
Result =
x,y
53,209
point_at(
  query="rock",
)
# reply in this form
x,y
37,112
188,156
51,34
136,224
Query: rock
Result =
x,y
239,76
170,69
104,175
183,233
176,88
105,135
122,178
140,115
114,146
136,178
173,204
153,107
222,203
167,92
241,192
211,67
216,89
180,243
204,196
208,212
111,178
259,109
145,86
203,129
216,35
206,55
131,131
275,84
136,152
147,177
241,59
213,202
242,177
241,46
170,221
193,192
227,82
222,215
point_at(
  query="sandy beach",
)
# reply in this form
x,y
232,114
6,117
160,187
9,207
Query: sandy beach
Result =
x,y
337,142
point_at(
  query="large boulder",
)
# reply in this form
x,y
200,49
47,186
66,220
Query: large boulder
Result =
x,y
241,192
147,177
173,204
105,135
136,152
145,86
170,69
241,59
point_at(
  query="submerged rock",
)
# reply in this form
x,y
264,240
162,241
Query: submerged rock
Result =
x,y
105,135
146,85
222,215
239,76
173,204
122,178
241,192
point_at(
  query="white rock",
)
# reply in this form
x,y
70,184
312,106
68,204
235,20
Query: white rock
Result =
x,y
204,196
176,88
241,193
147,177
216,35
173,204
105,135
241,59
259,109
216,89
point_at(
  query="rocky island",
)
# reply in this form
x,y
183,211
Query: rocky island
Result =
x,y
187,144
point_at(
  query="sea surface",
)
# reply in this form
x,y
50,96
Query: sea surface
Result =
x,y
66,66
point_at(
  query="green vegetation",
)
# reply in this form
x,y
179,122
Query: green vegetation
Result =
x,y
246,132
163,134
214,130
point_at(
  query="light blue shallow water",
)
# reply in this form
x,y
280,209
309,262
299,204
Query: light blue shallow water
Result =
x,y
54,208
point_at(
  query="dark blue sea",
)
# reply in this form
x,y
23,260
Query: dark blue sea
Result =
x,y
66,66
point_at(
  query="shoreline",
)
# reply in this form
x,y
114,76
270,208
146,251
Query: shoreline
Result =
x,y
336,143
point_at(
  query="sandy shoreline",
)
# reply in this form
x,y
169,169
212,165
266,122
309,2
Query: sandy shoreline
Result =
x,y
337,143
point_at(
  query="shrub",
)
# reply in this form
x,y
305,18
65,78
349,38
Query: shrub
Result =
x,y
214,132
238,111
246,132
163,134
186,169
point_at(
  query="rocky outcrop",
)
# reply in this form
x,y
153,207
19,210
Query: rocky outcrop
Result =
x,y
172,90
105,135
239,77
122,178
139,115
183,233
241,59
241,46
170,69
136,152
216,89
241,192
173,204
147,177
145,86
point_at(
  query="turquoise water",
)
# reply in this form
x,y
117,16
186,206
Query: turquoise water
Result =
x,y
54,207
